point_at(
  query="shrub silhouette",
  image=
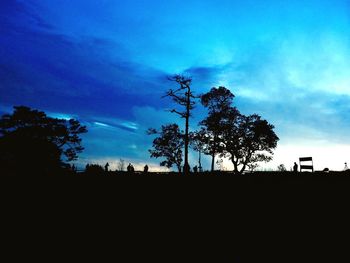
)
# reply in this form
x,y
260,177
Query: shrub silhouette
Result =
x,y
94,169
281,168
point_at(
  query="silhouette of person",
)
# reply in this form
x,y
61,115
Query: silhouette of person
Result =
x,y
74,169
130,168
295,167
195,169
106,167
145,169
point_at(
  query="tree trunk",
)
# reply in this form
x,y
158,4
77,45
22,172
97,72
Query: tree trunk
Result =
x,y
235,165
213,154
186,165
243,169
212,161
179,168
200,161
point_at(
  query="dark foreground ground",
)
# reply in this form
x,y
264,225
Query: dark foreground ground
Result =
x,y
246,176
220,179
231,218
249,176
228,178
225,185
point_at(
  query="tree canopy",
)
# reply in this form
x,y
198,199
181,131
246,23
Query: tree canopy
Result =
x,y
248,140
217,99
218,102
31,140
245,140
168,145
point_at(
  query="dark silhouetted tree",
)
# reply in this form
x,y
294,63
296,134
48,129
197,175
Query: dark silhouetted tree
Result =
x,y
184,97
168,145
198,142
94,169
218,101
212,125
32,140
121,165
252,166
248,140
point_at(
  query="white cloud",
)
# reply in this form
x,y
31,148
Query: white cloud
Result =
x,y
101,124
130,125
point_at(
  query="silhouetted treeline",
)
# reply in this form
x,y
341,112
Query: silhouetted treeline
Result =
x,y
33,143
224,132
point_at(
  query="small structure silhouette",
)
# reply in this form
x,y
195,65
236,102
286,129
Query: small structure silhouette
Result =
x,y
346,168
295,167
309,167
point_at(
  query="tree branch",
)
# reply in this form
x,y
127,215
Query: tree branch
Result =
x,y
182,114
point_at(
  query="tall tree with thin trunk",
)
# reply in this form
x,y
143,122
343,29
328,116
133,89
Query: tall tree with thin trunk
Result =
x,y
217,101
184,97
198,141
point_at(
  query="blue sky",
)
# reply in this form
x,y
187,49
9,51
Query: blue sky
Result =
x,y
106,63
